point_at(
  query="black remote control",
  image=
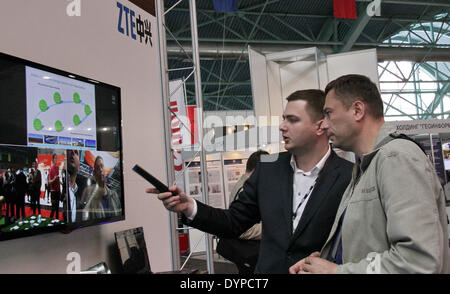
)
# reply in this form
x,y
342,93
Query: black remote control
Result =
x,y
154,181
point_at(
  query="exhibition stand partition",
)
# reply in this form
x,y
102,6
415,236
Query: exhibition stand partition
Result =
x,y
275,76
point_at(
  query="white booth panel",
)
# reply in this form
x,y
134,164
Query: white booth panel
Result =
x,y
277,75
300,75
275,89
362,62
258,70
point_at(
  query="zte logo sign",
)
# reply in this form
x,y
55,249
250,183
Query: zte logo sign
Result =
x,y
132,26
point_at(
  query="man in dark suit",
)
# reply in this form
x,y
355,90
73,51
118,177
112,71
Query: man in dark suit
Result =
x,y
72,203
21,189
55,187
295,194
35,191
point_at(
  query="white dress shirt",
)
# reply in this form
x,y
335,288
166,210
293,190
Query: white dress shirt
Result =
x,y
304,184
73,202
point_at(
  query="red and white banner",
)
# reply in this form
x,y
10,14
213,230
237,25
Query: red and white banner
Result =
x,y
192,116
180,126
178,112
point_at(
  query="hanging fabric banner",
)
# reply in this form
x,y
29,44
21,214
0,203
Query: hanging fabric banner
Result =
x,y
192,115
179,126
344,9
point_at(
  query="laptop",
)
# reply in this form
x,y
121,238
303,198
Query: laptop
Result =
x,y
133,253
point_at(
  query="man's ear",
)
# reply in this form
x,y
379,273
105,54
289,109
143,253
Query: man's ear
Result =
x,y
359,110
320,131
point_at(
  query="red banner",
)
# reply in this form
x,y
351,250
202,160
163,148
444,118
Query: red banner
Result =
x,y
192,114
344,9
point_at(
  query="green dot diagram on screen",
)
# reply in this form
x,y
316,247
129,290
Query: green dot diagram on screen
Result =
x,y
76,98
76,119
43,105
37,124
57,98
58,126
60,111
87,109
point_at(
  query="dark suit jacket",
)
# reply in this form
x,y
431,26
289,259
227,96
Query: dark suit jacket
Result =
x,y
81,183
21,188
268,196
37,183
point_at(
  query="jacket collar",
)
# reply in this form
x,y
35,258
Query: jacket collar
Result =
x,y
380,141
317,168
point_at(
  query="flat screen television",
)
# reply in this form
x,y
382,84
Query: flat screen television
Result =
x,y
61,164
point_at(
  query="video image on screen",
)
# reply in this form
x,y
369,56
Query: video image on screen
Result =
x,y
60,150
94,185
28,202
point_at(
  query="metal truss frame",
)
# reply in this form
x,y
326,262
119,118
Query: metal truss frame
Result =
x,y
425,77
249,26
193,71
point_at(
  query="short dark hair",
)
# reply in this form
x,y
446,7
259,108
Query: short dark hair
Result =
x,y
254,158
77,151
350,88
97,159
315,100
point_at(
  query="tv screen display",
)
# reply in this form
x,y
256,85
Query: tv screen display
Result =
x,y
60,150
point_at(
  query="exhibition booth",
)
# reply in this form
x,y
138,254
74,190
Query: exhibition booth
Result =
x,y
85,100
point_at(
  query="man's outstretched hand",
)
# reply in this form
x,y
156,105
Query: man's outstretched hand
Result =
x,y
175,200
